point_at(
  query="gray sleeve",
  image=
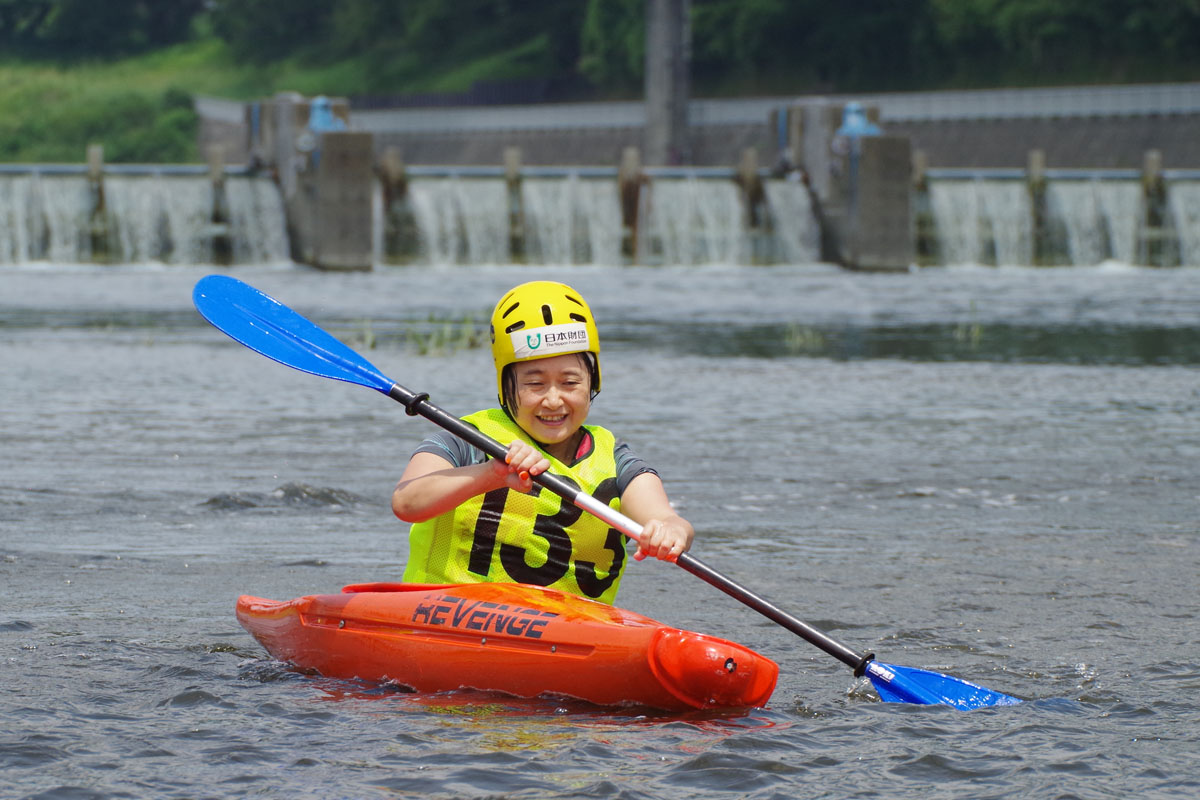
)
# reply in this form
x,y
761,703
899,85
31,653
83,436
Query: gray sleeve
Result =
x,y
451,448
629,465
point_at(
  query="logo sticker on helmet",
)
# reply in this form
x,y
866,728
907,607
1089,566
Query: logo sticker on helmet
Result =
x,y
550,341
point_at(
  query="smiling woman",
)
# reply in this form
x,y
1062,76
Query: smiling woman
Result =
x,y
480,519
552,402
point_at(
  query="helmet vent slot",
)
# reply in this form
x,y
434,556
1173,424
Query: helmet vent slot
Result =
x,y
578,318
510,309
516,326
547,315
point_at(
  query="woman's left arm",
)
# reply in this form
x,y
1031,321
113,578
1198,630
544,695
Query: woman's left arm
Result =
x,y
665,534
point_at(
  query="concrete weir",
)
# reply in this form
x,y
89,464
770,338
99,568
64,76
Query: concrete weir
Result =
x,y
858,183
624,214
351,204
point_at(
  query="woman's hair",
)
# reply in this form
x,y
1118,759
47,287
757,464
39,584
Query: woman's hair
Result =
x,y
508,380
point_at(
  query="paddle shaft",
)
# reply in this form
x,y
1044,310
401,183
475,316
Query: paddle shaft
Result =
x,y
419,404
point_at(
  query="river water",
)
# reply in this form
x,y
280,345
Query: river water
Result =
x,y
992,473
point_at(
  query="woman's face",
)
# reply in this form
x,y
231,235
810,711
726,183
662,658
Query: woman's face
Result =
x,y
553,400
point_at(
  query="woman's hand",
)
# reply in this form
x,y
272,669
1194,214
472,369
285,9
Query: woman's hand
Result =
x,y
665,534
665,539
520,465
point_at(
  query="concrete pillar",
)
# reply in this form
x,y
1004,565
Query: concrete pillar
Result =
x,y
751,184
327,178
630,179
1158,242
1152,166
787,131
757,221
337,206
879,229
814,129
393,175
95,162
794,133
668,56
1036,169
284,126
926,247
920,165
861,186
516,204
219,217
1043,235
401,240
816,126
98,212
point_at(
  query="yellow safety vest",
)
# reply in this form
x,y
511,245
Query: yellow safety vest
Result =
x,y
541,539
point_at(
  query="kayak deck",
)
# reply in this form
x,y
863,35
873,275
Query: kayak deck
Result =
x,y
521,640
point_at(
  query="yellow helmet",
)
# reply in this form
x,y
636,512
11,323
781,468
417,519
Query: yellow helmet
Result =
x,y
541,319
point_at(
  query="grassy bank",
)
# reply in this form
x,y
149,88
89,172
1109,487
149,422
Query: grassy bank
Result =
x,y
138,108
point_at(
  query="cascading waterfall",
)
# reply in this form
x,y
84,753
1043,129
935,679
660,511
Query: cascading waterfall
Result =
x,y
1101,218
700,220
160,219
1082,222
571,221
1184,208
983,221
955,208
461,220
145,218
576,219
258,222
43,219
797,234
689,221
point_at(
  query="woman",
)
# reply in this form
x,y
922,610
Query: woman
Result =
x,y
481,519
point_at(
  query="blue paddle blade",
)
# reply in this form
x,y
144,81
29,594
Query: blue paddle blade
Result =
x,y
267,326
924,687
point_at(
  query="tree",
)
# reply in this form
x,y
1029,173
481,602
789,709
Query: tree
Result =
x,y
258,31
612,44
85,28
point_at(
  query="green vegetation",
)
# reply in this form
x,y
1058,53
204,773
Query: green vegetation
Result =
x,y
119,72
434,335
440,336
139,108
133,126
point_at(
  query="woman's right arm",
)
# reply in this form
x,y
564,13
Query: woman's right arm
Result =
x,y
431,485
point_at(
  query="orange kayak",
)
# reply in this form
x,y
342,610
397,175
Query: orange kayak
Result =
x,y
521,640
